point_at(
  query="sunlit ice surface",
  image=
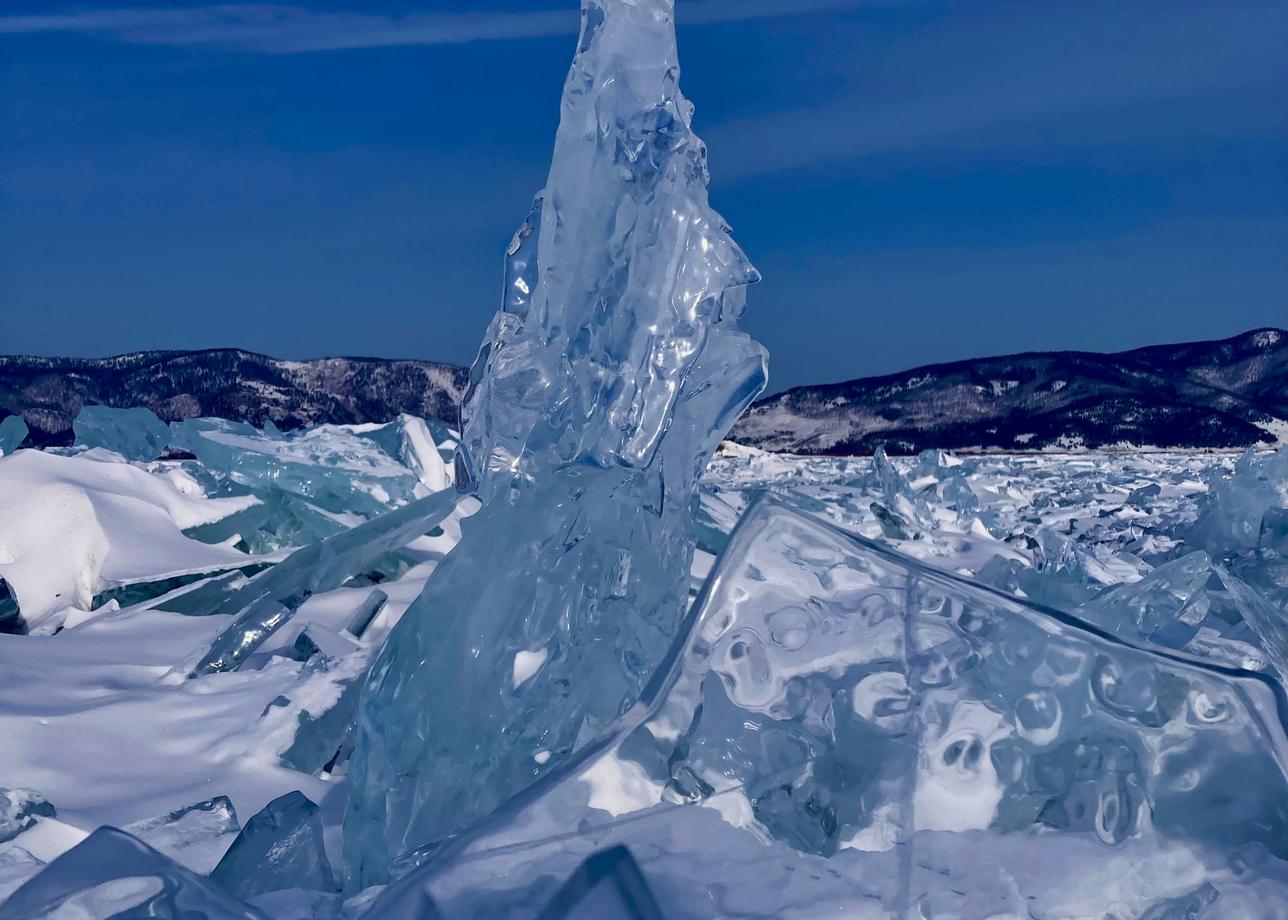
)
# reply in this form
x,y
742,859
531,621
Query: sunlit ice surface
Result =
x,y
565,662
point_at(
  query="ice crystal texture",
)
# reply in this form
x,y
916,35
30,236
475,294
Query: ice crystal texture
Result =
x,y
608,378
841,729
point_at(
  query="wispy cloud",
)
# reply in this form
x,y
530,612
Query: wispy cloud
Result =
x,y
282,29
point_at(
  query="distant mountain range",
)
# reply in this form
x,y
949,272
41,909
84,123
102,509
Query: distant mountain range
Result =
x,y
229,383
1231,393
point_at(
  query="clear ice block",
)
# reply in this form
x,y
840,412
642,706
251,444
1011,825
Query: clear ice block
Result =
x,y
843,729
280,847
135,433
111,874
611,374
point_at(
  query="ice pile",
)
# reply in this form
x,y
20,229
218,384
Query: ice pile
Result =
x,y
610,375
635,683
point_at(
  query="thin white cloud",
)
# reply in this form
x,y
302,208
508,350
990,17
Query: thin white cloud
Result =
x,y
282,29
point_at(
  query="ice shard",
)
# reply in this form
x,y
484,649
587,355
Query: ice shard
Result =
x,y
195,836
842,729
609,377
135,433
269,600
111,874
280,847
331,467
13,431
1231,516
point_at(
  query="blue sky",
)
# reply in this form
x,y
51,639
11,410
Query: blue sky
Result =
x,y
917,181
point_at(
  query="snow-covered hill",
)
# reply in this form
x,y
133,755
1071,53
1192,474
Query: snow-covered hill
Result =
x,y
1230,393
228,383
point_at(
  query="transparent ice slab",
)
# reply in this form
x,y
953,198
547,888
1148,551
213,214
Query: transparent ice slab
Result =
x,y
331,467
280,847
195,836
111,874
269,600
135,433
843,728
611,374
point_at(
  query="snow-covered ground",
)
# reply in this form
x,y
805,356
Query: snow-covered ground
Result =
x,y
107,560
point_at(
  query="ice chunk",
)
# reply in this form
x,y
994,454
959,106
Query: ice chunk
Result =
x,y
893,527
897,494
1265,619
367,612
19,809
281,847
195,836
410,440
1165,606
844,727
13,431
269,600
604,385
325,736
331,466
135,433
111,874
1274,531
1230,518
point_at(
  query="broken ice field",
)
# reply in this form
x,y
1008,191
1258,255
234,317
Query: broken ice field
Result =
x,y
574,655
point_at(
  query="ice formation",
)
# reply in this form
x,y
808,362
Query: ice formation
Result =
x,y
135,433
843,729
639,681
196,836
269,600
112,874
608,378
13,431
281,847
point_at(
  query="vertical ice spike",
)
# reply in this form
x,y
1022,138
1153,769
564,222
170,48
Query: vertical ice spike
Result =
x,y
608,378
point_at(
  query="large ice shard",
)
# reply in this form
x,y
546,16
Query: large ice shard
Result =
x,y
1231,516
609,377
13,431
332,467
843,730
135,433
111,874
269,600
281,847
